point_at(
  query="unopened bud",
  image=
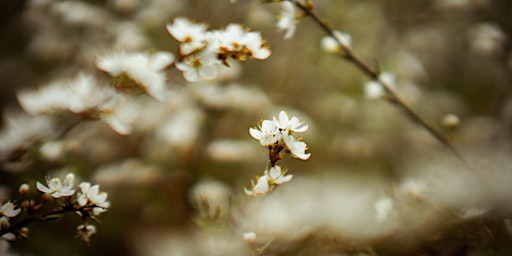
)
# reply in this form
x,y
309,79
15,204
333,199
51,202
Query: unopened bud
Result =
x,y
24,189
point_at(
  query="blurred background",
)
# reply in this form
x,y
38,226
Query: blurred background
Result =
x,y
376,184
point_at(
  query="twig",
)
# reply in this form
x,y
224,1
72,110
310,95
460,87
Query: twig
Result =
x,y
348,54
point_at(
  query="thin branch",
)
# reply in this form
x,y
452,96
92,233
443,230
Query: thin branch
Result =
x,y
348,54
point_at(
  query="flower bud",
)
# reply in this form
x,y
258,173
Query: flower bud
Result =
x,y
24,189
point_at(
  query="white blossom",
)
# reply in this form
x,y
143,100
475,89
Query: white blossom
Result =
x,y
277,176
191,35
250,237
292,124
7,210
146,70
57,188
85,232
202,51
199,66
286,21
78,95
21,130
297,148
53,97
268,134
331,44
91,196
120,114
261,187
375,90
87,94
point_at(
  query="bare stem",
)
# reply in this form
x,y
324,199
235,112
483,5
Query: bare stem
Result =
x,y
348,54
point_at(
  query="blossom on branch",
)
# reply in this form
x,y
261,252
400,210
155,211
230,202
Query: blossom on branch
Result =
x,y
287,21
91,196
202,51
268,133
7,210
145,70
57,188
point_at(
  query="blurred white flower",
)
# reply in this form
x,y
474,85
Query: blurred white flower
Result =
x,y
198,66
191,35
78,95
146,70
277,176
57,188
7,210
451,121
330,44
250,237
487,39
261,187
297,148
120,114
91,196
228,150
21,130
85,93
85,232
268,133
375,90
286,21
181,130
292,124
253,46
53,97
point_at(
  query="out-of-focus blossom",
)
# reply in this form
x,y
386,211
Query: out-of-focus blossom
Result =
x,y
228,150
286,21
144,69
85,93
261,187
57,188
85,232
331,44
191,35
120,114
7,210
78,95
451,121
375,90
199,66
20,131
250,237
487,39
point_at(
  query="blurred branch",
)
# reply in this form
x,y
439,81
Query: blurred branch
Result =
x,y
393,98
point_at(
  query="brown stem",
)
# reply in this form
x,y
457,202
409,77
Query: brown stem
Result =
x,y
349,55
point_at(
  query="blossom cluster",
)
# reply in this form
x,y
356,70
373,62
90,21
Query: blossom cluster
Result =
x,y
277,135
201,51
84,96
88,202
280,133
